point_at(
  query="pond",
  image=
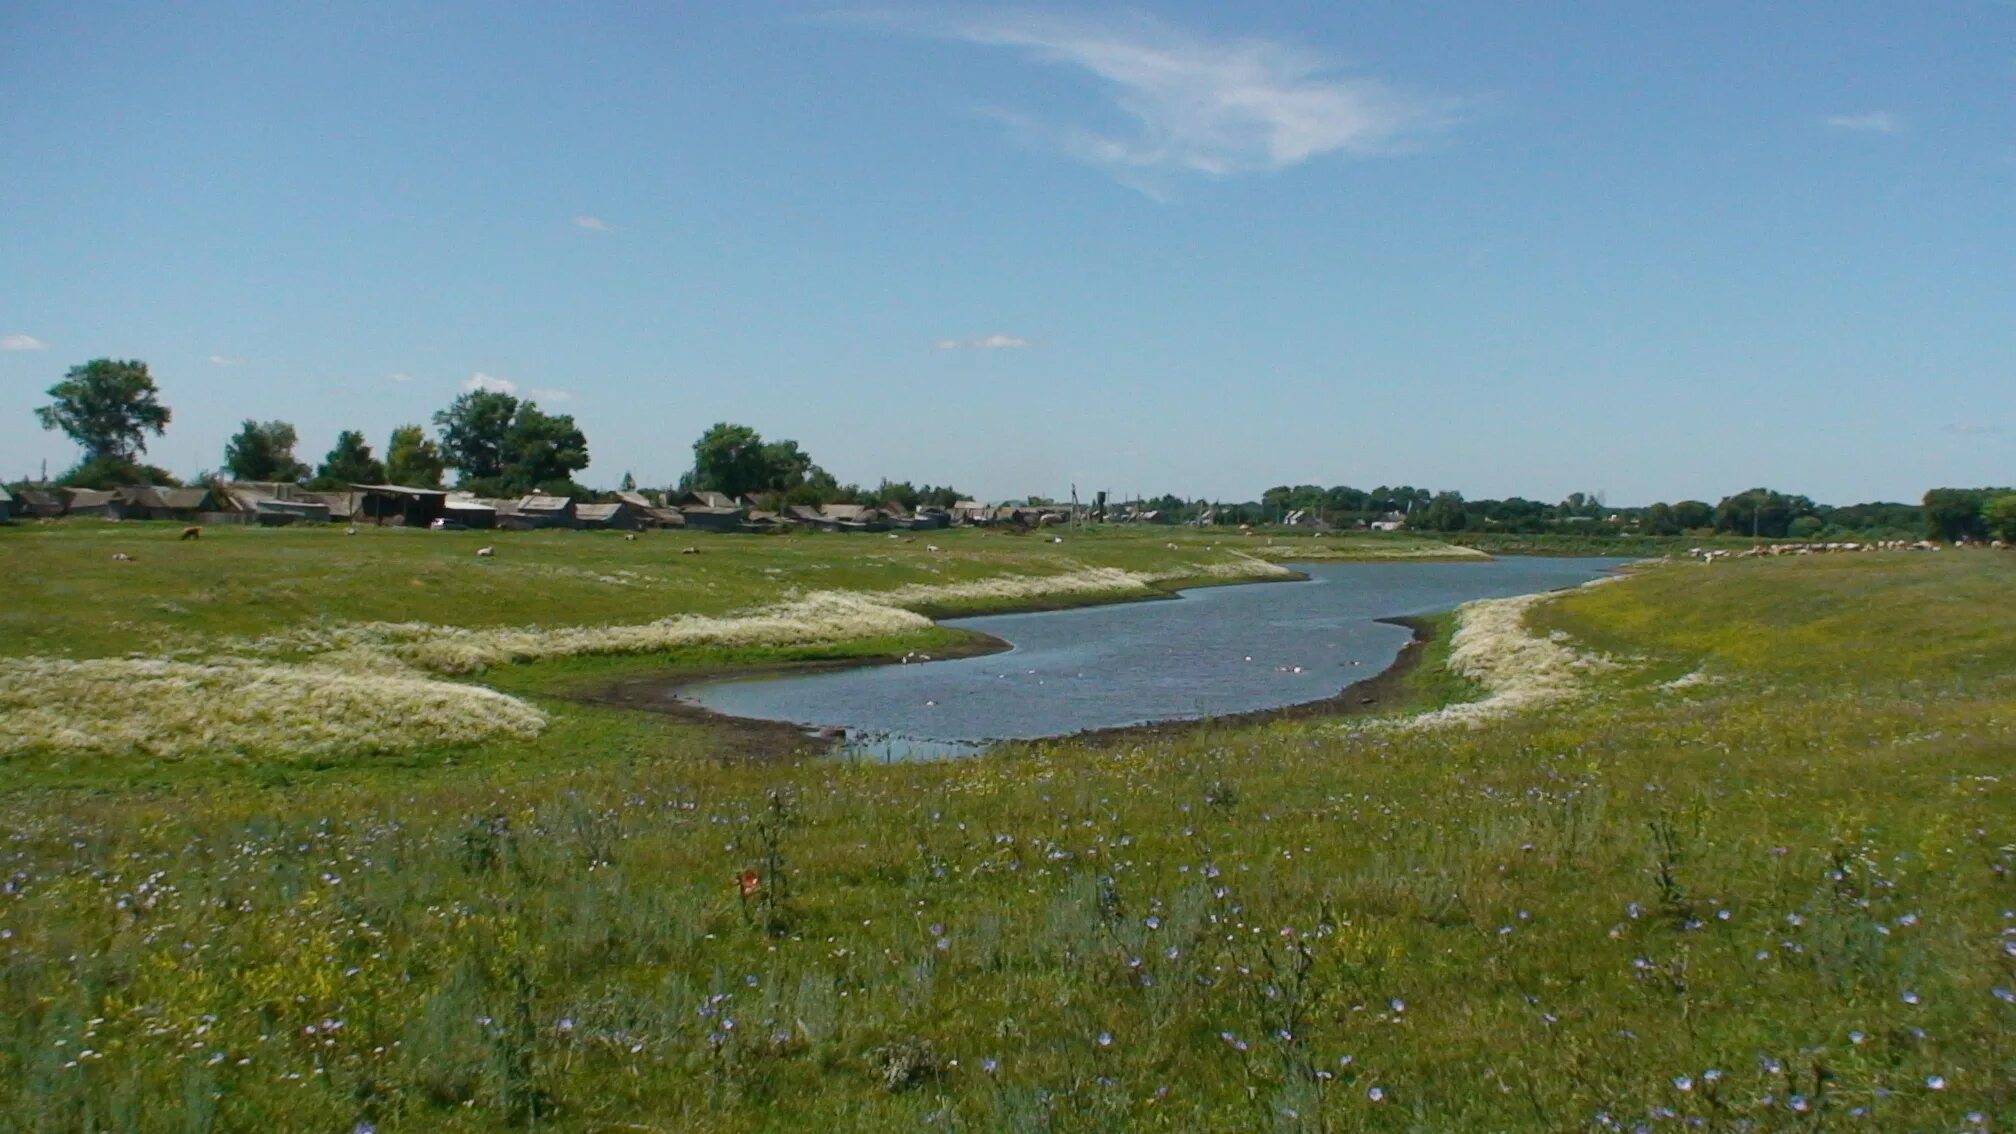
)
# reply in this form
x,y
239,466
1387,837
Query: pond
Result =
x,y
1213,651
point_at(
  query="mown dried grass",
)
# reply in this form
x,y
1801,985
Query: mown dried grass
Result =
x,y
818,618
176,710
1520,669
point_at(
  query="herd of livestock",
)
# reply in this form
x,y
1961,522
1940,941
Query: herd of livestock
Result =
x,y
1711,554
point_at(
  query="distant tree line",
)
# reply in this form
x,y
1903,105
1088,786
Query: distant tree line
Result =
x,y
501,445
1945,513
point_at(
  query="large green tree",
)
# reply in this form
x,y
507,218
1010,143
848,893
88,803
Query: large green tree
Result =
x,y
504,445
1445,513
1955,513
350,462
1999,513
475,428
264,450
413,459
730,459
1691,514
542,450
1761,512
108,406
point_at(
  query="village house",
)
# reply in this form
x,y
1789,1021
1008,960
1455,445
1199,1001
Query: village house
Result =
x,y
538,510
809,516
469,511
272,503
711,519
705,498
855,517
148,502
89,502
6,505
602,517
38,503
343,506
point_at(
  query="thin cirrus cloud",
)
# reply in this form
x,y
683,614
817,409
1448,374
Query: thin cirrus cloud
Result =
x,y
592,224
1199,105
226,360
985,342
22,342
1868,122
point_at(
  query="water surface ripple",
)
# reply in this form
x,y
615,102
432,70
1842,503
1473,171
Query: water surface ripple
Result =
x,y
1214,651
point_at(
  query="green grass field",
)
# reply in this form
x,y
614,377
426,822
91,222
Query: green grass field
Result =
x,y
1758,876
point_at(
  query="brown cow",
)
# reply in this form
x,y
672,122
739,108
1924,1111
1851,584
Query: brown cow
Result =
x,y
191,533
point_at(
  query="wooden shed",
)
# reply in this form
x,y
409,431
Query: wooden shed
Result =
x,y
398,504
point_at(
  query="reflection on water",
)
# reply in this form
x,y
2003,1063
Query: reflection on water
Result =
x,y
1215,651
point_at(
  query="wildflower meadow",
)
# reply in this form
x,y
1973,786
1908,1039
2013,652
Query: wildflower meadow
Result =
x,y
1732,849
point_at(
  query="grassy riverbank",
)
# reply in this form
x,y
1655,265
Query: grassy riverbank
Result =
x,y
1756,867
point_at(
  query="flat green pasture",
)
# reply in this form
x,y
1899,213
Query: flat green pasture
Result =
x,y
68,596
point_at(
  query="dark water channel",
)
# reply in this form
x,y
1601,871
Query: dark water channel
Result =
x,y
1212,652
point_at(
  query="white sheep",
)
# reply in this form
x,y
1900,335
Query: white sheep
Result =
x,y
485,552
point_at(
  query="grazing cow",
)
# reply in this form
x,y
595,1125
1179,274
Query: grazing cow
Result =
x,y
191,533
350,530
629,537
485,552
689,551
121,557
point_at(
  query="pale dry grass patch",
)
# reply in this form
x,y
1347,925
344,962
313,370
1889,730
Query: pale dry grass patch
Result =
x,y
817,618
1520,670
176,710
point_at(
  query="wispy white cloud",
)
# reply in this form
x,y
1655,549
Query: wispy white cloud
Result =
x,y
592,224
488,382
399,376
1869,122
1200,105
1972,428
538,395
22,342
986,342
226,360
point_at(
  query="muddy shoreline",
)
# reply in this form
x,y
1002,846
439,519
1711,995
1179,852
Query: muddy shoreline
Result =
x,y
750,739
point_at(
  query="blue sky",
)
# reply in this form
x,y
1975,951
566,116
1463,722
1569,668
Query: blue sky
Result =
x,y
1657,251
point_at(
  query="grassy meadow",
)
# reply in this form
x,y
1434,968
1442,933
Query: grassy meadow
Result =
x,y
1745,865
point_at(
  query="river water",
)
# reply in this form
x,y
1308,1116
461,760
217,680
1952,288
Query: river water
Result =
x,y
1214,651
